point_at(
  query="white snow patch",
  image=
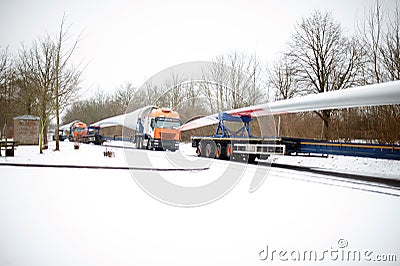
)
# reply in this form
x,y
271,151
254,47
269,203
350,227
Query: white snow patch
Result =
x,y
357,165
53,216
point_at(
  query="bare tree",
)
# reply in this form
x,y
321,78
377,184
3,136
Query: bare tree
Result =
x,y
172,94
323,58
370,35
243,74
89,110
236,82
39,69
150,93
7,77
66,78
124,96
281,77
379,36
25,89
4,62
390,53
390,49
46,80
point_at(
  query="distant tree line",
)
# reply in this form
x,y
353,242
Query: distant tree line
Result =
x,y
320,57
101,105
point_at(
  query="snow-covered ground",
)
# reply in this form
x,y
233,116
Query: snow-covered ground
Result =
x,y
349,164
69,216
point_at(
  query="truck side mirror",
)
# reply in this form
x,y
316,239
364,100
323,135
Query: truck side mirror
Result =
x,y
152,123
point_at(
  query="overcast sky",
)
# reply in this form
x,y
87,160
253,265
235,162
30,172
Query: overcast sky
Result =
x,y
129,41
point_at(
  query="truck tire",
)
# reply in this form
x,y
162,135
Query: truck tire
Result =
x,y
198,150
219,152
148,146
140,143
210,149
228,152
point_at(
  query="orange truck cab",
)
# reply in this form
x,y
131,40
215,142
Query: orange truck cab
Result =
x,y
159,130
77,131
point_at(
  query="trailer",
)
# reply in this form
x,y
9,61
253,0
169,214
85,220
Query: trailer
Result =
x,y
92,135
240,145
300,146
236,144
61,135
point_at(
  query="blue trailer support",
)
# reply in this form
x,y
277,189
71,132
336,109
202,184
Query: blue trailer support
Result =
x,y
223,131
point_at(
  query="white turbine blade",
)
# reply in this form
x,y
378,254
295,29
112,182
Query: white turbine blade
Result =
x,y
128,120
67,126
370,95
200,122
109,122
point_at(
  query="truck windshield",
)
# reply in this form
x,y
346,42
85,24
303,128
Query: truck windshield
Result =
x,y
168,123
93,130
78,129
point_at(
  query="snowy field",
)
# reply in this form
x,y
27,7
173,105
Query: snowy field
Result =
x,y
72,216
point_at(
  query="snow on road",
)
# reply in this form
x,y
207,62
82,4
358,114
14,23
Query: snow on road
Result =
x,y
63,216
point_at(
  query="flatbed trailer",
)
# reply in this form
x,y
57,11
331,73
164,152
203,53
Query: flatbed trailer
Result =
x,y
242,146
93,135
299,146
237,145
238,149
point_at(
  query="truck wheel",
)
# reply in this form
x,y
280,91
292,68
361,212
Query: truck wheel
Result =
x,y
198,150
218,152
228,152
140,143
210,149
148,146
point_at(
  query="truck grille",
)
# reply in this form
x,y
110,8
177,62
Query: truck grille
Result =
x,y
167,136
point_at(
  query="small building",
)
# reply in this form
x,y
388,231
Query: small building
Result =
x,y
26,129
